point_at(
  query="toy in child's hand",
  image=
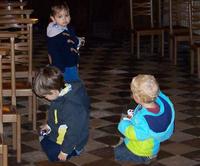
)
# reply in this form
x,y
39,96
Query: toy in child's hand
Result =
x,y
44,132
81,42
130,113
127,116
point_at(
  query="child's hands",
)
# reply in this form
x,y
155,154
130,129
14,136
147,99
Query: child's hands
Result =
x,y
81,42
127,116
45,129
62,156
130,113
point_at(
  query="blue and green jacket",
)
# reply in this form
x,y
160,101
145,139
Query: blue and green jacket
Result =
x,y
146,130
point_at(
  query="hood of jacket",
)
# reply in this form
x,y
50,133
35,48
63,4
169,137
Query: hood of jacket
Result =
x,y
54,29
75,92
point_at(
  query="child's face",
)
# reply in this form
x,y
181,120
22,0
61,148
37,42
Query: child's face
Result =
x,y
62,18
54,94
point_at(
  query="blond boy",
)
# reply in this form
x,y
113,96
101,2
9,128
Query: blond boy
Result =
x,y
151,123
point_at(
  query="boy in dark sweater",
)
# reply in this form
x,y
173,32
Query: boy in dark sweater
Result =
x,y
62,42
66,132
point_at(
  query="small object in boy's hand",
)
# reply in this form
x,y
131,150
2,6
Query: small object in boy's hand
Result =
x,y
130,113
43,132
82,41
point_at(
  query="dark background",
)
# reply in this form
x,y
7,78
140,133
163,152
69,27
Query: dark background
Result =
x,y
100,18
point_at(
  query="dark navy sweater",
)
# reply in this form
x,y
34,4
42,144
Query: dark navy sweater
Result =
x,y
72,111
61,49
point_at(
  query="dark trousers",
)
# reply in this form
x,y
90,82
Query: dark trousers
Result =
x,y
53,149
123,154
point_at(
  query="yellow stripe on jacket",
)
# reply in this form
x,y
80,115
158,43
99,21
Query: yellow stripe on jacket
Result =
x,y
55,117
61,134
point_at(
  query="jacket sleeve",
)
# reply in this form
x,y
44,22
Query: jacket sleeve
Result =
x,y
74,121
134,129
73,36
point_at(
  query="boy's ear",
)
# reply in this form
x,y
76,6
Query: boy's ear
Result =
x,y
136,98
52,18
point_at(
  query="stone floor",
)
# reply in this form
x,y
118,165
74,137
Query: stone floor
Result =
x,y
107,68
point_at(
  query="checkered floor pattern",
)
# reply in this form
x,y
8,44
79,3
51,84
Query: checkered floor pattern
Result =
x,y
107,68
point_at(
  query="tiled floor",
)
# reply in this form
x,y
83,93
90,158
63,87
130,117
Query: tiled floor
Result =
x,y
107,68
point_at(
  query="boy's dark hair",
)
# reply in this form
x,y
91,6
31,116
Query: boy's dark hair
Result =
x,y
58,5
47,79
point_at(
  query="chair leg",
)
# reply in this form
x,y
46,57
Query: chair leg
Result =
x,y
152,44
192,61
175,51
34,112
14,136
30,108
5,155
171,48
132,44
18,140
138,46
198,62
163,44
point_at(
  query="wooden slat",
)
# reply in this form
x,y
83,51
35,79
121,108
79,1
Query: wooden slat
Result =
x,y
8,34
12,4
19,21
16,12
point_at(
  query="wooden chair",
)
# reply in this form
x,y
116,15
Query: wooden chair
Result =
x,y
194,23
178,26
15,13
9,5
140,10
3,146
10,114
23,60
3,150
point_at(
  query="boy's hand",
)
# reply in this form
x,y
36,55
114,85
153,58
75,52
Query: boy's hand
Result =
x,y
62,156
82,41
45,129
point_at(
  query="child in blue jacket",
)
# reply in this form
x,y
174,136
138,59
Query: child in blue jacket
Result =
x,y
149,124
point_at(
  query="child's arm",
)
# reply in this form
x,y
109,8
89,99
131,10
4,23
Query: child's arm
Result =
x,y
132,130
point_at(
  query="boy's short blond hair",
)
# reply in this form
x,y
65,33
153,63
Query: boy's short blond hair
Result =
x,y
145,88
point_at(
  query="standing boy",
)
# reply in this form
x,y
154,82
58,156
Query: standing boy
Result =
x,y
62,42
149,124
66,132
